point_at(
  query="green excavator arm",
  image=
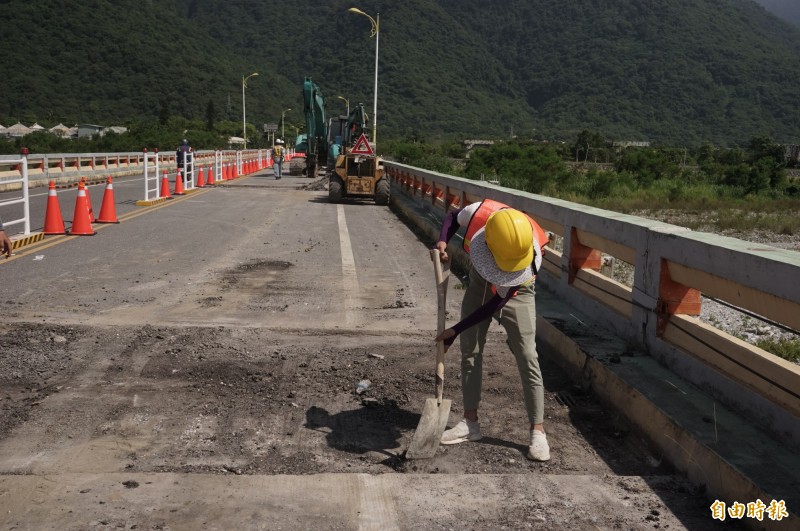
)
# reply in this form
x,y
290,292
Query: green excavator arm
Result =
x,y
316,127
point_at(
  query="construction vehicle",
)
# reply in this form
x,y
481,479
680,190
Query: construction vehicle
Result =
x,y
357,172
340,147
297,166
314,143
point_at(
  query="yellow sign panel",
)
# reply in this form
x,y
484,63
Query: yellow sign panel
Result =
x,y
359,186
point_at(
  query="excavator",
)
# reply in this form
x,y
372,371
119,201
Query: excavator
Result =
x,y
341,147
314,142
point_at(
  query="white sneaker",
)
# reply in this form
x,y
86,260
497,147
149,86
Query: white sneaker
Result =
x,y
539,450
464,431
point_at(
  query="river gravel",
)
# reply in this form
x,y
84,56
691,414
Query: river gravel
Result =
x,y
735,322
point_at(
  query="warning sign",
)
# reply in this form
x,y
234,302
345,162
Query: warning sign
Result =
x,y
362,147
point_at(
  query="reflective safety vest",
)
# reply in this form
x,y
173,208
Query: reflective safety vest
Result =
x,y
489,207
277,152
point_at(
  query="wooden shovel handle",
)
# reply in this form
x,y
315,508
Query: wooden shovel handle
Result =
x,y
442,272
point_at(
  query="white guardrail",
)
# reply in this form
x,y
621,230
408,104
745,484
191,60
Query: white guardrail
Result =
x,y
59,167
24,171
20,179
672,267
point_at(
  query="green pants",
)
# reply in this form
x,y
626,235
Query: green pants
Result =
x,y
518,317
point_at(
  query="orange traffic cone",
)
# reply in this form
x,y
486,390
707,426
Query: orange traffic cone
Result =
x,y
210,176
179,184
81,226
108,211
165,186
201,180
53,222
88,199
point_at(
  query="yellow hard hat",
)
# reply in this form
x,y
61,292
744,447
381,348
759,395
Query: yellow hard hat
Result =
x,y
509,236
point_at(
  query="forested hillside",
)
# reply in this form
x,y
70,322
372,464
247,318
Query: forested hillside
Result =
x,y
674,71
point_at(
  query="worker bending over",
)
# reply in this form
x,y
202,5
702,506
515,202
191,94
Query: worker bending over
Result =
x,y
505,247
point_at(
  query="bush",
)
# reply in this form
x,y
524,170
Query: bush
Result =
x,y
788,349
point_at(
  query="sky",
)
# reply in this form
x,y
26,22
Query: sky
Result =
x,y
785,9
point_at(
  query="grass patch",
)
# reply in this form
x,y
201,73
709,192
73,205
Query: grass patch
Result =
x,y
788,349
712,207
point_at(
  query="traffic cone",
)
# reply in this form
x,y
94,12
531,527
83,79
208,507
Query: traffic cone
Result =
x,y
81,226
108,211
210,176
88,199
201,180
179,184
165,186
53,222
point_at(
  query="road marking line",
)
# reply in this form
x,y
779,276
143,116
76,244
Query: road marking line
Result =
x,y
349,278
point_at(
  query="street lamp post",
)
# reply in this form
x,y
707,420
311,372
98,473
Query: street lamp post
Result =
x,y
374,33
283,123
347,102
244,115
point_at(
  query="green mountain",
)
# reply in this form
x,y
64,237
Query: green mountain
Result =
x,y
674,71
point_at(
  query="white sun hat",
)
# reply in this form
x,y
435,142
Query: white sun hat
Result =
x,y
485,265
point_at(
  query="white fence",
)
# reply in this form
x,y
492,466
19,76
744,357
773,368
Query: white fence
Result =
x,y
69,167
18,178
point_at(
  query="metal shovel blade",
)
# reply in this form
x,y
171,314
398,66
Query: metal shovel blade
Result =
x,y
429,432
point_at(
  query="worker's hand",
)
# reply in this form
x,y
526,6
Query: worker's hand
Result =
x,y
442,246
447,337
5,244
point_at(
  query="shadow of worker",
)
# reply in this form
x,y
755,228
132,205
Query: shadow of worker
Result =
x,y
377,427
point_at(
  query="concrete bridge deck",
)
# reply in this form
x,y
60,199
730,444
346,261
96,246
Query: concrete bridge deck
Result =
x,y
194,367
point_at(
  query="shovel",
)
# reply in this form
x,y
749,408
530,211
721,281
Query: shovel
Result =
x,y
426,438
